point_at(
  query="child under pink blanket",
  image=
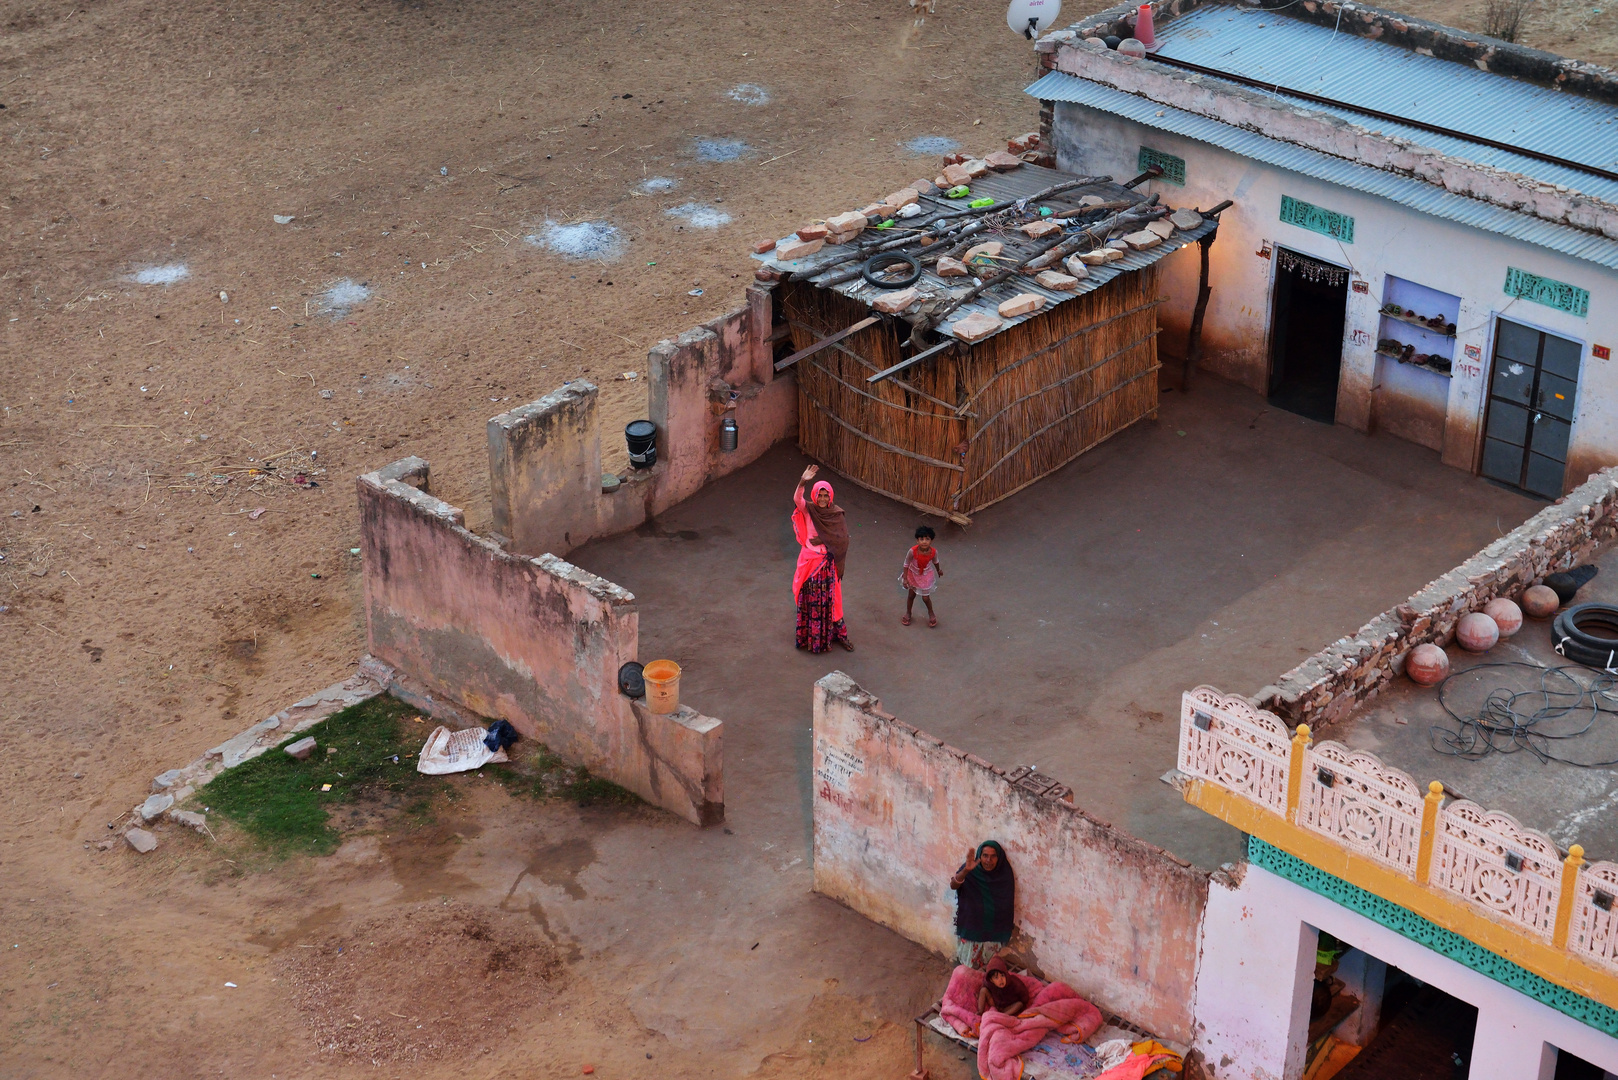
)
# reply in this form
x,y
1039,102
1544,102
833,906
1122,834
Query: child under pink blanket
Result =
x,y
1053,1007
1003,1038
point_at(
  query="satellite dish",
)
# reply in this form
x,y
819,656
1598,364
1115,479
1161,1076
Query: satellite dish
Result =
x,y
1030,18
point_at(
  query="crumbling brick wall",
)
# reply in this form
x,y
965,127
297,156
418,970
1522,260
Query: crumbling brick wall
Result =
x,y
1334,681
895,811
535,641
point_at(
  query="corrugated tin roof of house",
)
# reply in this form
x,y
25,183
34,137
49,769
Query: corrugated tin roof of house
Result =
x,y
1017,184
1358,72
1415,194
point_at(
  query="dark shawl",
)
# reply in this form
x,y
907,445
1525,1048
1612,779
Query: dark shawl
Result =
x,y
829,527
983,904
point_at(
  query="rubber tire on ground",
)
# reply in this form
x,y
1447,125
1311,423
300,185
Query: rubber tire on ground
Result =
x,y
889,258
1580,646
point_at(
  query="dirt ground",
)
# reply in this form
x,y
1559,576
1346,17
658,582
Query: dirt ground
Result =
x,y
146,612
173,359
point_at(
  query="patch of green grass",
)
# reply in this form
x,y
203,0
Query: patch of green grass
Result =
x,y
542,775
364,750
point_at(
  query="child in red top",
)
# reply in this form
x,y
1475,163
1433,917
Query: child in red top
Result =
x,y
921,573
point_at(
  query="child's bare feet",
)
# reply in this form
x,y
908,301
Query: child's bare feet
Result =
x,y
905,621
932,620
847,644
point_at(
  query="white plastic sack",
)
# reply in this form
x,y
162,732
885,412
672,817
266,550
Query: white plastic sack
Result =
x,y
455,751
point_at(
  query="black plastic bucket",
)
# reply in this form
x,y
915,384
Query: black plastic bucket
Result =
x,y
641,435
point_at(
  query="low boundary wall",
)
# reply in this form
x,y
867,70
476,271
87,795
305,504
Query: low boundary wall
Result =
x,y
545,457
535,641
1334,681
895,811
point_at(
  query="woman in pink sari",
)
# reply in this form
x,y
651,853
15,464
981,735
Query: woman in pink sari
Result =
x,y
817,583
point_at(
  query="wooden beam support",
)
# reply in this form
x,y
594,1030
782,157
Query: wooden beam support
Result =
x,y
825,341
918,358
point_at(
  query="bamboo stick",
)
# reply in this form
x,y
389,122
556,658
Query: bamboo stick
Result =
x,y
851,429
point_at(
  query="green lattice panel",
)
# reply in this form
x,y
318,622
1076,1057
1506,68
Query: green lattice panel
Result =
x,y
1444,942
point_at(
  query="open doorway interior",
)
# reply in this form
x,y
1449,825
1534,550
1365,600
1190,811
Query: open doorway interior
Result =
x,y
1371,1021
1306,340
1571,1067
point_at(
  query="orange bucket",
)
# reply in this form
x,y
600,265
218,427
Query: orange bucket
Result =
x,y
662,686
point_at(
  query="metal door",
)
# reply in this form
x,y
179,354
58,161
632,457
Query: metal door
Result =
x,y
1531,395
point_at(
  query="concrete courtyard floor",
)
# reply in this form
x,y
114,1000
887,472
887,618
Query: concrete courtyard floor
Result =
x,y
1220,544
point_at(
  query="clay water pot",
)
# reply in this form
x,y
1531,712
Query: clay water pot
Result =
x,y
1427,665
1541,601
1476,632
1506,615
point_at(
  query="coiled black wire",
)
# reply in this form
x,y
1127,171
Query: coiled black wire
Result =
x,y
1510,720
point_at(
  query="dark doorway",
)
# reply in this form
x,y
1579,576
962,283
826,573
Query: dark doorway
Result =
x,y
1569,1067
1306,341
1425,1034
1531,395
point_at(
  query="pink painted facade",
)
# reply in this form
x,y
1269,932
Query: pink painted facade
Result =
x,y
896,810
535,641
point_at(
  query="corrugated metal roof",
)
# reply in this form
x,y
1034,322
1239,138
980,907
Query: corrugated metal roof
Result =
x,y
1427,198
1358,71
1020,183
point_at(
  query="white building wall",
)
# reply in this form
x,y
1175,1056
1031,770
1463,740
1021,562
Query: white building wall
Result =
x,y
1256,970
1388,239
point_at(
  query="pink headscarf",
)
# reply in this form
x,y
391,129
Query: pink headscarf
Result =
x,y
814,492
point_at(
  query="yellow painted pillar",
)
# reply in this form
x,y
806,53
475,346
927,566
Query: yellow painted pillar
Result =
x,y
1429,831
1300,743
1564,902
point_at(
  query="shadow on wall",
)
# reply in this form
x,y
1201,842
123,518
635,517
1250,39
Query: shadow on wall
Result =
x,y
895,811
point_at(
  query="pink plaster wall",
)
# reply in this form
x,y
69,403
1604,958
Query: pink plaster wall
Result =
x,y
535,641
537,452
895,811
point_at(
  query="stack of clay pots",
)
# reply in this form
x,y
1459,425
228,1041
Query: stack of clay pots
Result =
x,y
1478,631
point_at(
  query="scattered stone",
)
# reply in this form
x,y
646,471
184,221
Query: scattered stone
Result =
x,y
1041,229
987,251
974,327
948,267
106,845
976,167
876,211
1076,268
902,198
1021,304
793,248
1142,240
141,840
306,745
1118,245
1091,200
1021,144
817,231
956,158
923,187
762,246
1000,161
891,303
1163,227
155,807
845,225
1056,281
166,779
767,273
953,176
1100,256
189,818
1186,219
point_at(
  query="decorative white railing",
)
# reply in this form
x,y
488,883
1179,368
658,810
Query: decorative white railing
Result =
x,y
1238,747
1488,858
1484,859
1358,801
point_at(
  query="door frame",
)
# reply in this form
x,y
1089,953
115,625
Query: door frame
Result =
x,y
1495,315
1270,327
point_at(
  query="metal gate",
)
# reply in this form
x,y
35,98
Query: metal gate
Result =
x,y
1531,395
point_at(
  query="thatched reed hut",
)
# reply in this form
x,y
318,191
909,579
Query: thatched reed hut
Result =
x,y
972,422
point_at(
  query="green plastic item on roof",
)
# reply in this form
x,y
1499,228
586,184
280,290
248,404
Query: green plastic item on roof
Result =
x,y
959,191
1044,211
985,201
888,224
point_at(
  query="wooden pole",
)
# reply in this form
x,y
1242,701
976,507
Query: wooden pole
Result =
x,y
825,341
1193,340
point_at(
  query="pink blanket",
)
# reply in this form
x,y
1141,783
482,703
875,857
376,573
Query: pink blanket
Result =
x,y
1002,1038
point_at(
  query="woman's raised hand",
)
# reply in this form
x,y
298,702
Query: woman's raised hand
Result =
x,y
809,473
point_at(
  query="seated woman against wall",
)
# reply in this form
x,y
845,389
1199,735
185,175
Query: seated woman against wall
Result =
x,y
985,895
